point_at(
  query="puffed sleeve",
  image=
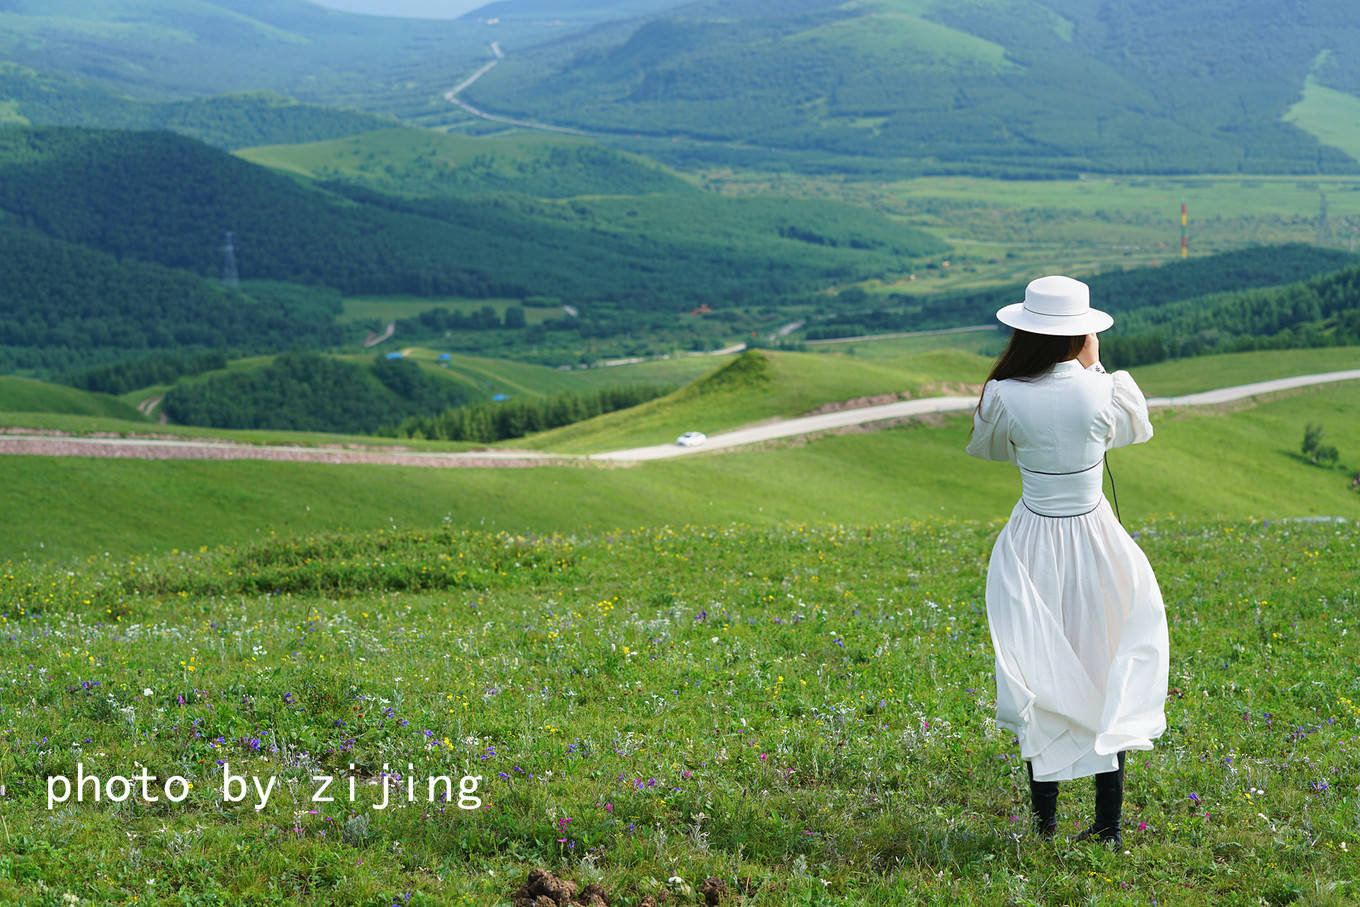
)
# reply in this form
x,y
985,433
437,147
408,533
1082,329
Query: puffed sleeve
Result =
x,y
991,427
1128,414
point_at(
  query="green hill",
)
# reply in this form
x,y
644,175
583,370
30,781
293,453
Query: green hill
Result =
x,y
1234,462
226,121
1024,87
168,48
416,162
65,306
163,198
761,385
24,395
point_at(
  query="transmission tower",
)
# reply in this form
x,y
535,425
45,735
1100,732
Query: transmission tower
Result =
x,y
230,276
1324,226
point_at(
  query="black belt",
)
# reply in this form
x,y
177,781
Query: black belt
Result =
x,y
1073,473
1055,516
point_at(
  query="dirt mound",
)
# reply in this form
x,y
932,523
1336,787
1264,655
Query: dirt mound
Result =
x,y
543,889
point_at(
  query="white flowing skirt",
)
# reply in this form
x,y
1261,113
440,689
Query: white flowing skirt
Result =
x,y
1079,631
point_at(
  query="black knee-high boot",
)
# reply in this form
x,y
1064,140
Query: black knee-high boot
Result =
x,y
1109,807
1043,797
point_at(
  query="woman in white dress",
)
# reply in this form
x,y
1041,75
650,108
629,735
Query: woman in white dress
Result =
x,y
1075,613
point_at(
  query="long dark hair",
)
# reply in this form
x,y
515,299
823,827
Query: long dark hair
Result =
x,y
1029,355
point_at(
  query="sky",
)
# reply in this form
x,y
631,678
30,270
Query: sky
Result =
x,y
425,9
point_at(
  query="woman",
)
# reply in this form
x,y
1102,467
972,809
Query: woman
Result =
x,y
1075,613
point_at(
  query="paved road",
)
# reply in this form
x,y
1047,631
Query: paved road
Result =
x,y
800,426
1241,391
888,411
33,443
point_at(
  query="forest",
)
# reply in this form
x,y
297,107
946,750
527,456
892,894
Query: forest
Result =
x,y
1114,291
305,391
163,198
226,121
133,374
64,307
515,418
1323,311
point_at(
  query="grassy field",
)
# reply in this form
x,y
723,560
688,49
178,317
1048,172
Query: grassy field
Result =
x,y
769,667
982,343
803,713
1186,376
25,395
426,162
1239,461
1004,231
1328,114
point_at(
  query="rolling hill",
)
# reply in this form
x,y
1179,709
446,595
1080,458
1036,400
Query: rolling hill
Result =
x,y
424,163
68,507
225,121
165,199
1024,87
24,395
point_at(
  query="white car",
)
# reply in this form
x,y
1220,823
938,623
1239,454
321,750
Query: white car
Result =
x,y
691,439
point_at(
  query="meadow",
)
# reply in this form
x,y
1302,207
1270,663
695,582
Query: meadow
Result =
x,y
802,712
768,667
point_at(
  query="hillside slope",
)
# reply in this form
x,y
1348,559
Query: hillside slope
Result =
x,y
225,121
1235,462
165,198
425,163
24,395
1030,86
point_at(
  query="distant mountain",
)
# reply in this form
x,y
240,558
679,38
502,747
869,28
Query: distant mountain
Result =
x,y
165,49
572,9
1018,87
226,121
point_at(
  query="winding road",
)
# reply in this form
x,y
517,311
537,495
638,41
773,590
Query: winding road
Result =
x,y
452,97
30,442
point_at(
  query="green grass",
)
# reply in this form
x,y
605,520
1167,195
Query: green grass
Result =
x,y
1202,373
806,707
776,384
1237,462
425,162
895,32
982,343
91,425
25,395
1331,116
1007,231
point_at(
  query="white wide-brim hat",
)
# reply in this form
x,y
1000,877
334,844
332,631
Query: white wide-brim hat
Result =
x,y
1056,305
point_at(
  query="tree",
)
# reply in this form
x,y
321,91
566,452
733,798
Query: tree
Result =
x,y
1313,448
